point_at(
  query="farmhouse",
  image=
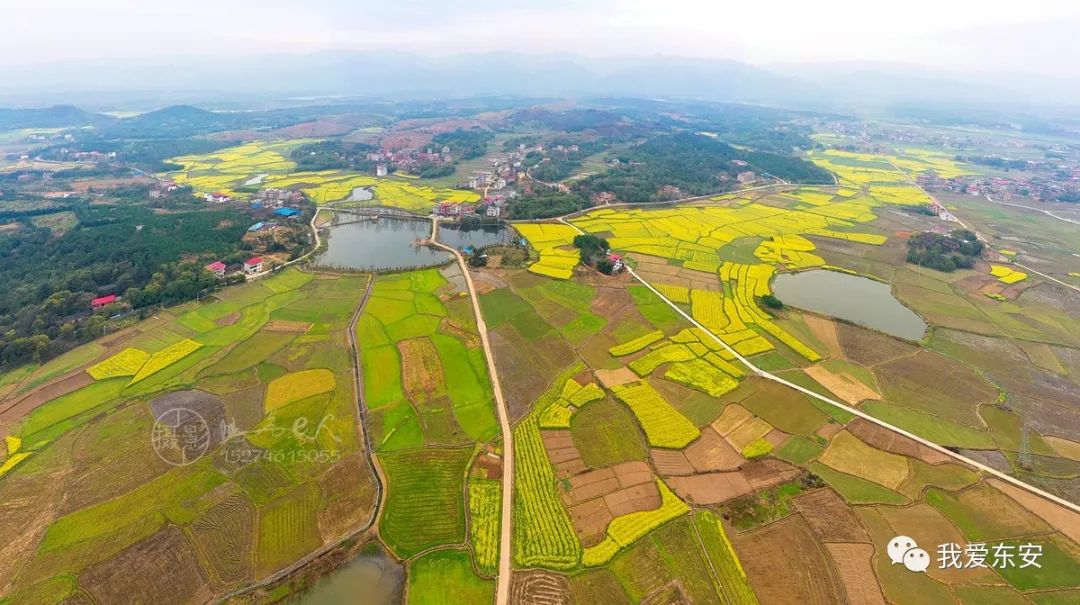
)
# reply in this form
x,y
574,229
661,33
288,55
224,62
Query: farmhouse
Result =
x,y
287,212
217,198
101,301
253,265
217,268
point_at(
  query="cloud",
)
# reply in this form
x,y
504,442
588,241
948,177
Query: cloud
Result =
x,y
1037,35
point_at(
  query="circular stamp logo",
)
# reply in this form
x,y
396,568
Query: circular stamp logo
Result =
x,y
180,436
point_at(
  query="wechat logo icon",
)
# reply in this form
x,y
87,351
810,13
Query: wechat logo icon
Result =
x,y
903,549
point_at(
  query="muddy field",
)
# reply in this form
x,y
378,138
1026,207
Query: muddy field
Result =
x,y
540,588
786,564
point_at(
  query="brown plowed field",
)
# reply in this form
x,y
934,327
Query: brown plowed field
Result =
x,y
785,564
710,488
856,572
830,518
671,462
540,588
711,452
163,569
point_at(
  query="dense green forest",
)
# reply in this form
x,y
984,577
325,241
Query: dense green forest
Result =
x,y
545,203
464,144
693,163
334,155
126,250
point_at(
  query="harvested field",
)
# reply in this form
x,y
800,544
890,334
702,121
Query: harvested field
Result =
x,y
161,569
288,327
540,588
223,537
785,564
844,386
784,407
227,320
597,586
1057,516
295,386
563,454
489,466
870,348
671,462
849,455
732,416
854,565
288,528
984,514
711,452
607,481
421,369
111,456
710,488
885,439
746,433
19,408
826,333
829,430
935,384
590,520
767,472
926,525
349,497
830,518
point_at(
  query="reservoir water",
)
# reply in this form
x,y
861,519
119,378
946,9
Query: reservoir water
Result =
x,y
369,579
478,236
383,244
856,299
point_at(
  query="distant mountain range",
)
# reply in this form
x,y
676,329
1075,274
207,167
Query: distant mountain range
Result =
x,y
227,80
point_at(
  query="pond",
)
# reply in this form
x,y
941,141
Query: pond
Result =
x,y
255,180
369,579
360,194
856,299
478,236
382,244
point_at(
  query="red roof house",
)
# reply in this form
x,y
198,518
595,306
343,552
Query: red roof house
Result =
x,y
253,265
101,301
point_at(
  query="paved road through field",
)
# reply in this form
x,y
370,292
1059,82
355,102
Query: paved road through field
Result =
x,y
502,588
930,444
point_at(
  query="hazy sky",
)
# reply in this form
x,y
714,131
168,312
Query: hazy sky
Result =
x,y
1020,35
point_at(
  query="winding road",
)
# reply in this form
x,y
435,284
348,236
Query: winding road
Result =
x,y
502,588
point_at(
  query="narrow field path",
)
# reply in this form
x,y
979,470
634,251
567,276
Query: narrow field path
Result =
x,y
1046,212
764,374
502,588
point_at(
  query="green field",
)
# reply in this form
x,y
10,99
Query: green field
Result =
x,y
446,577
605,433
424,504
121,493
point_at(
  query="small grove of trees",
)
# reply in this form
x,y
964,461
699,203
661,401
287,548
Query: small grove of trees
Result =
x,y
772,302
593,252
957,250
